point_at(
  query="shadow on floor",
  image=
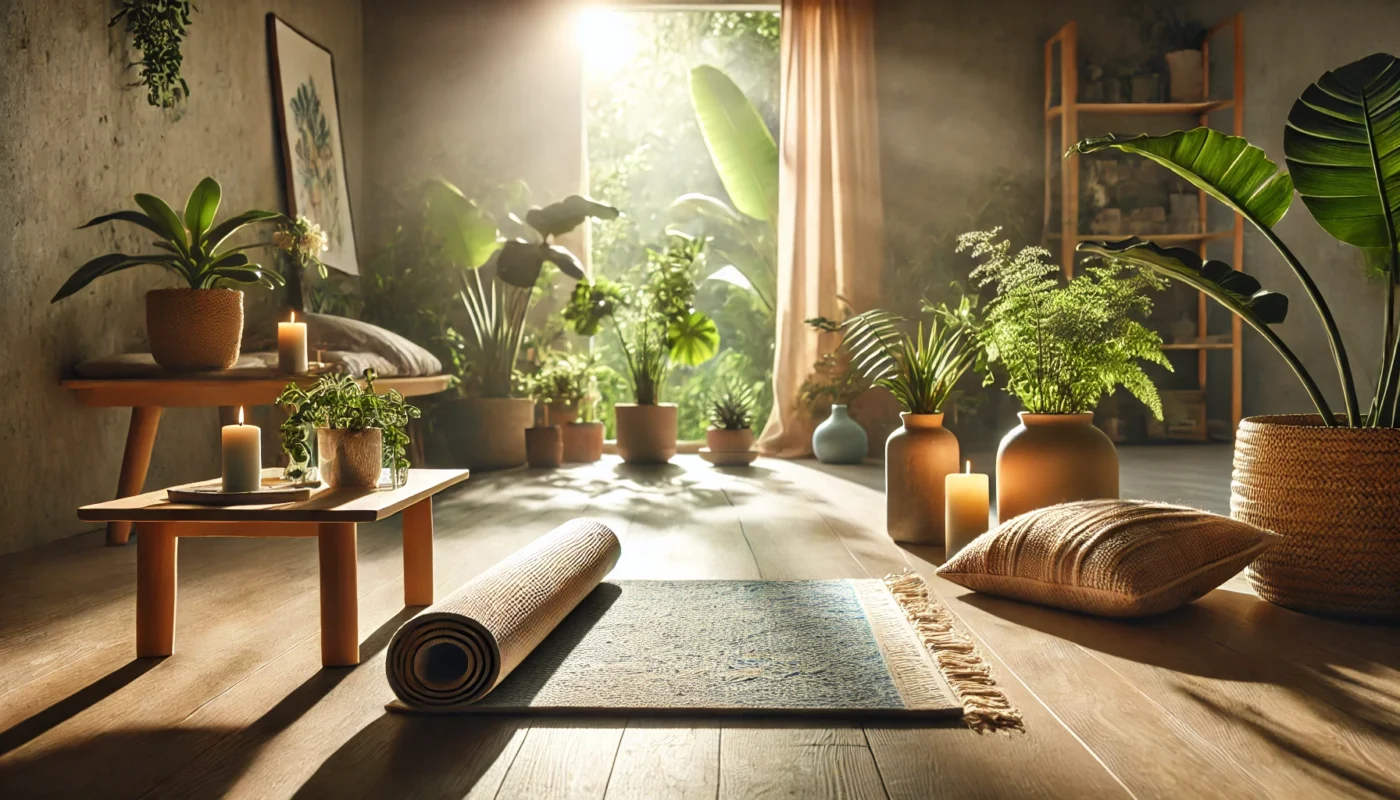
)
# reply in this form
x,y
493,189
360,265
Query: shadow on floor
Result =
x,y
73,704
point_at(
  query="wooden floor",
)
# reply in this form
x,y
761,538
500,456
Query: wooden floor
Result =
x,y
1230,697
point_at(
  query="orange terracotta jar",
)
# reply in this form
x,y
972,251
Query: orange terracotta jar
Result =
x,y
1054,458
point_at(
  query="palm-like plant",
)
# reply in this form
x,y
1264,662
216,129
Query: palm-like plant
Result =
x,y
194,246
920,369
1345,163
732,407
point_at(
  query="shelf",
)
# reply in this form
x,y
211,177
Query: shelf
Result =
x,y
1143,109
1161,238
1207,345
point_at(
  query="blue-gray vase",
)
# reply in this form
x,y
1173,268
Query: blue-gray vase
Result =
x,y
840,439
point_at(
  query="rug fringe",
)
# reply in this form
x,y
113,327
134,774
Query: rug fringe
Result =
x,y
985,707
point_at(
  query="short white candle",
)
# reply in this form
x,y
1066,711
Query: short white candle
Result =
x,y
967,507
291,346
242,457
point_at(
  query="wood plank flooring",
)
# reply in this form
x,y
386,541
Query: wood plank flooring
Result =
x,y
1229,697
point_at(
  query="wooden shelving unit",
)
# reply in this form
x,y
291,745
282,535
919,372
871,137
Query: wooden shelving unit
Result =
x,y
1063,117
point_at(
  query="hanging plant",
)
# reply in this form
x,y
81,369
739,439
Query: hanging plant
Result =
x,y
157,28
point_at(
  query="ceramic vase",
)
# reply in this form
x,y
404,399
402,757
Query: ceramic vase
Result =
x,y
193,330
918,456
840,439
646,434
1054,458
544,446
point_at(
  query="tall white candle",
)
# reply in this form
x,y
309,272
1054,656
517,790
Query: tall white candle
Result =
x,y
242,460
291,346
967,508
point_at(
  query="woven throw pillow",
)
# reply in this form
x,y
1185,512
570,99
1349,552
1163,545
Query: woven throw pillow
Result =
x,y
1113,558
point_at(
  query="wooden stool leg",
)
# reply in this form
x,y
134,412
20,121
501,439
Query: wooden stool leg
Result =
x,y
155,589
418,553
136,459
340,607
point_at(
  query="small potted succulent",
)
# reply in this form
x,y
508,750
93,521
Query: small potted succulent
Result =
x,y
199,327
730,436
358,432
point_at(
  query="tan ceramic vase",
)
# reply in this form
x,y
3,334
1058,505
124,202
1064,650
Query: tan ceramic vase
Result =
x,y
193,330
350,459
918,456
1054,458
544,447
646,434
583,442
488,433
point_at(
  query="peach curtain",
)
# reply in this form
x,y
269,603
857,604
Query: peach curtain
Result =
x,y
830,221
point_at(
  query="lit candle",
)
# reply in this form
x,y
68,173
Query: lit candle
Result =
x,y
242,457
291,346
967,508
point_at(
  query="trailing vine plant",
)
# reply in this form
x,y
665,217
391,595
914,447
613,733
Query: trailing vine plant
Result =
x,y
157,29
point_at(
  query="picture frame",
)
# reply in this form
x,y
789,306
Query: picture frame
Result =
x,y
312,139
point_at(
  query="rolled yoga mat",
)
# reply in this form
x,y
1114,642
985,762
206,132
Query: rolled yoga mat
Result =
x,y
461,648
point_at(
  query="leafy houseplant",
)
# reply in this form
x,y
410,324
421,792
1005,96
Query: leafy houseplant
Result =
x,y
656,326
358,431
730,437
1338,521
199,327
157,29
1063,345
571,382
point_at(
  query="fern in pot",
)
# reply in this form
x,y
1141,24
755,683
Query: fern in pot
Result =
x,y
199,327
1329,482
358,432
1062,346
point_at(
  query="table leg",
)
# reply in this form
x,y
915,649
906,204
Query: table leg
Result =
x,y
340,612
155,589
136,459
418,553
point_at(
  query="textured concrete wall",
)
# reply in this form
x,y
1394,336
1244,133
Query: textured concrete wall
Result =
x,y
75,142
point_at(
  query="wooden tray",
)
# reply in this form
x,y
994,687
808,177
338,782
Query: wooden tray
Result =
x,y
210,493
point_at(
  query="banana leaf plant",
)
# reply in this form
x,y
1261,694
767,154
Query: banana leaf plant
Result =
x,y
1343,157
193,246
746,158
496,306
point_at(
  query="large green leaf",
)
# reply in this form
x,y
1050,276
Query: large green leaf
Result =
x,y
201,207
519,263
743,149
561,217
1342,145
746,244
1240,293
693,340
228,227
106,265
164,216
134,217
468,234
1227,168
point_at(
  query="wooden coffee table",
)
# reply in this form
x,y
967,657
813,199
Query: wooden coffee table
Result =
x,y
330,516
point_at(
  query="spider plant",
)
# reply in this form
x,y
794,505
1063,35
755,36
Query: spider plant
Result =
x,y
1344,161
194,246
920,369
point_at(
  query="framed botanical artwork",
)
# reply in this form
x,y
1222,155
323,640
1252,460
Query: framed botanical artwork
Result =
x,y
313,151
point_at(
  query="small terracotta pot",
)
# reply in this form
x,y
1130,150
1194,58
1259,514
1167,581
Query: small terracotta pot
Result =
x,y
488,433
646,434
562,413
194,329
583,442
725,440
918,456
544,447
350,459
1054,458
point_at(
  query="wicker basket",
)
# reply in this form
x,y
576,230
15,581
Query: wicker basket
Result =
x,y
1334,494
194,329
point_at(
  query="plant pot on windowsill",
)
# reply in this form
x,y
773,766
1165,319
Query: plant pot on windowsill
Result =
x,y
583,442
350,459
1053,458
194,329
544,447
646,434
729,447
488,433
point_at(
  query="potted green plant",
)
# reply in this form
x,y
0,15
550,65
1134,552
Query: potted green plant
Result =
x,y
730,435
572,386
657,326
544,440
921,369
358,432
492,417
1062,346
1329,482
199,327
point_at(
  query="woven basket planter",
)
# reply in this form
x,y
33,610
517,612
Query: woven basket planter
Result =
x,y
1334,495
194,329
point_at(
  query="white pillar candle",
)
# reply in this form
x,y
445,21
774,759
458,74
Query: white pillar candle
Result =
x,y
967,507
291,346
242,460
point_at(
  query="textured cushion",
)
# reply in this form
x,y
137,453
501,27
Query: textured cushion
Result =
x,y
353,344
1114,558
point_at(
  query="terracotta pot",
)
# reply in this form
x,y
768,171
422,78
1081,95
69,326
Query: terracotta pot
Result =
x,y
918,456
583,442
562,413
1054,458
488,433
544,447
350,459
194,329
646,434
1334,496
724,440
